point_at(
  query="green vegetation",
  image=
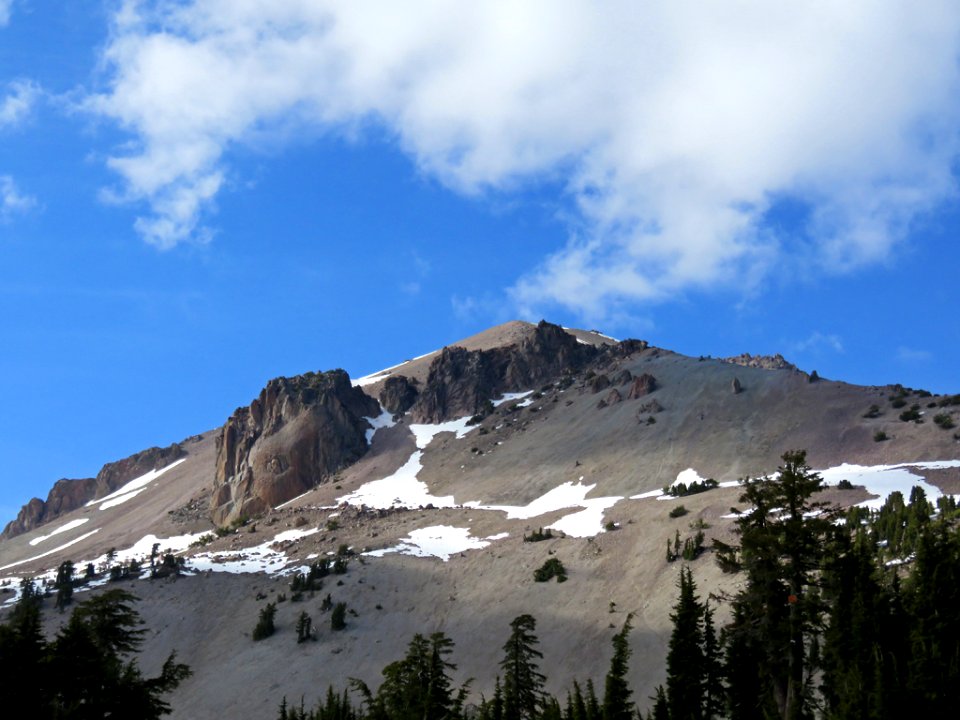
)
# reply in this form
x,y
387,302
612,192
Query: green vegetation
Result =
x,y
539,535
944,420
872,412
682,489
880,436
265,627
912,414
88,669
678,511
552,568
338,618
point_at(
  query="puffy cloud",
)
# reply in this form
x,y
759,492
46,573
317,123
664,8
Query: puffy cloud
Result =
x,y
12,201
5,7
675,128
19,101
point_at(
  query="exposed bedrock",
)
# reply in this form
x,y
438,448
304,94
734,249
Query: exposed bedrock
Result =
x,y
67,495
296,434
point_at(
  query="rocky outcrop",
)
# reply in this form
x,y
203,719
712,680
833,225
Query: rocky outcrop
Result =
x,y
461,381
296,434
736,387
612,398
398,394
622,377
68,495
642,385
599,383
764,362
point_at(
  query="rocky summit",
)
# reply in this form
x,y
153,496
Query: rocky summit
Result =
x,y
429,497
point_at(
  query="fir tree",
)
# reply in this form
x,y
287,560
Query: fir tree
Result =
x,y
617,704
686,665
64,584
265,627
522,681
338,618
304,627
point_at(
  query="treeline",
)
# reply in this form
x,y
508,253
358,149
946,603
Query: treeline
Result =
x,y
88,670
840,615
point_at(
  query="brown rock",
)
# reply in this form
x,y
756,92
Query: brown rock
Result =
x,y
398,394
642,385
613,397
623,377
298,432
599,382
67,495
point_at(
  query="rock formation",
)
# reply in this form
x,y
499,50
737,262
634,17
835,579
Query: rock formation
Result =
x,y
736,387
296,434
398,394
599,382
642,385
764,362
67,495
461,381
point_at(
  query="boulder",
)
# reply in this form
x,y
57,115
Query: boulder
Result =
x,y
398,394
642,385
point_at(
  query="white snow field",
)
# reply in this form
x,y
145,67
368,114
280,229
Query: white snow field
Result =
x,y
62,529
132,488
440,541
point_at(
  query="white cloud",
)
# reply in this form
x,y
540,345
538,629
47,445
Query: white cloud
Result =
x,y
12,201
5,7
673,126
19,100
817,341
912,355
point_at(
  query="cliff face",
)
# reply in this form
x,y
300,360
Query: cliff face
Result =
x,y
461,381
296,434
67,495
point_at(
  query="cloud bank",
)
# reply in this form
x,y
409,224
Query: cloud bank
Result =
x,y
675,128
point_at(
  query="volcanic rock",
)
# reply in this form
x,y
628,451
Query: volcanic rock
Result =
x,y
398,394
623,377
297,433
67,495
643,385
599,382
735,386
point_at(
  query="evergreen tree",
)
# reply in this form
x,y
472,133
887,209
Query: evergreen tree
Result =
x,y
522,681
686,667
782,540
338,618
64,584
660,709
265,627
617,704
304,627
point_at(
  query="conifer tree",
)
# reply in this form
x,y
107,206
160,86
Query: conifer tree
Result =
x,y
64,584
686,665
617,704
522,681
304,627
782,540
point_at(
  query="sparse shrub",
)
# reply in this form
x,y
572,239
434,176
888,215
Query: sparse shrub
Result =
x,y
845,484
552,568
814,377
880,436
327,603
332,525
265,627
204,539
947,400
911,415
338,618
897,402
678,511
611,526
539,535
872,412
651,420
944,420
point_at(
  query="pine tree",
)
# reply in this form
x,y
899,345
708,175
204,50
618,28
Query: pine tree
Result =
x,y
522,682
617,704
338,618
686,665
64,584
265,627
304,627
782,540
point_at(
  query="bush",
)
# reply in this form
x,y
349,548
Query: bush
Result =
x,y
265,627
611,526
898,402
845,484
943,420
880,436
872,412
682,489
539,535
338,618
678,511
911,415
552,568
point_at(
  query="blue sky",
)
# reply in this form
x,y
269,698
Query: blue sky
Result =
x,y
197,196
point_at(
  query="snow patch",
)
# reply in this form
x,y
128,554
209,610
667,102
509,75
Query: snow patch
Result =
x,y
132,488
383,420
439,541
62,529
508,397
881,480
51,552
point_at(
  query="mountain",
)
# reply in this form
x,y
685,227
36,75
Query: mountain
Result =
x,y
432,472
